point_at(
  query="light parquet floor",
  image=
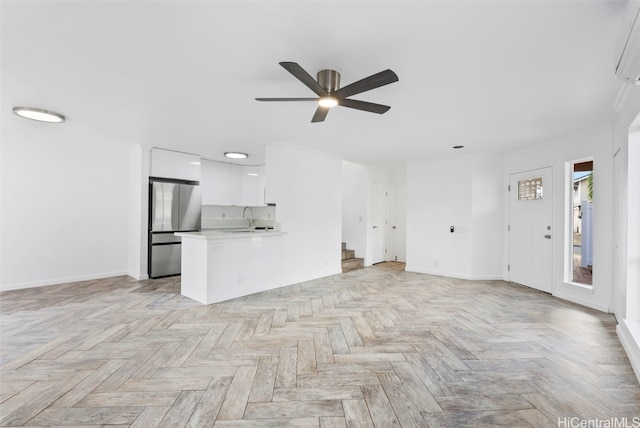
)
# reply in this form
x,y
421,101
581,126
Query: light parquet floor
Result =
x,y
378,347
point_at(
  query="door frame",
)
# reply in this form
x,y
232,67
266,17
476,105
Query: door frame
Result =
x,y
554,226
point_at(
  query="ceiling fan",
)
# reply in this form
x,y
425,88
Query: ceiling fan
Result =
x,y
330,94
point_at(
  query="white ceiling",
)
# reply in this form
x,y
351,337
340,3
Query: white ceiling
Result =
x,y
490,75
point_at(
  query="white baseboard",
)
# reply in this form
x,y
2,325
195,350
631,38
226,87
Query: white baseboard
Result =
x,y
20,286
454,274
629,335
138,277
580,301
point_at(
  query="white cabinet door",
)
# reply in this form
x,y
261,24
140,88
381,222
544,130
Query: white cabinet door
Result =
x,y
229,184
216,183
206,182
236,185
250,186
262,192
170,164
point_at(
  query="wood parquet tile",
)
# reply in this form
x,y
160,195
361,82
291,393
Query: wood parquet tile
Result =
x,y
377,347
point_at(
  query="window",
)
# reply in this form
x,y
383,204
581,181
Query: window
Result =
x,y
581,222
530,190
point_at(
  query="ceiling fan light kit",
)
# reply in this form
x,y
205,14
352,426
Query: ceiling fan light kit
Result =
x,y
327,102
330,94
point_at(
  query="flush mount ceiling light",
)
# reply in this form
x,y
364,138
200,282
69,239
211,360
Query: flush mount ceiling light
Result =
x,y
327,102
38,114
236,155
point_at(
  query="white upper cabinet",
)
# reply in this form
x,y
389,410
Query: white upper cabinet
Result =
x,y
215,183
177,165
236,186
252,186
229,184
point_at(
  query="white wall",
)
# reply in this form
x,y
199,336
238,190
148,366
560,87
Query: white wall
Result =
x,y
487,219
139,165
355,202
463,191
633,228
306,187
64,205
596,144
626,268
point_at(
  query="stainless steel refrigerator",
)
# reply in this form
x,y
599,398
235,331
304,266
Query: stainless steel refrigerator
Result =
x,y
174,206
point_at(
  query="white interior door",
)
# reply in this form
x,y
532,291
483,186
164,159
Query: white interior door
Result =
x,y
379,216
398,209
530,234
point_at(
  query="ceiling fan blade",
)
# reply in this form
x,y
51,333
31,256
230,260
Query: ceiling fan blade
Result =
x,y
320,114
364,105
286,99
375,81
304,77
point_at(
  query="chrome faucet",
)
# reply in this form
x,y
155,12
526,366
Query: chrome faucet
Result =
x,y
251,219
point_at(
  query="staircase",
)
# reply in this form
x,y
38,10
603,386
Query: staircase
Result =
x,y
349,261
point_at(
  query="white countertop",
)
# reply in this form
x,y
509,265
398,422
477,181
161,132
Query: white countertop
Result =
x,y
221,234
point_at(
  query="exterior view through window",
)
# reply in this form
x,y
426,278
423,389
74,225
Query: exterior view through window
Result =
x,y
582,225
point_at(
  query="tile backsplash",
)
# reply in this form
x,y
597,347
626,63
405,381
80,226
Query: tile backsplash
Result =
x,y
227,216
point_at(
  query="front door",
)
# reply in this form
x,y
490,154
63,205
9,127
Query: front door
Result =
x,y
530,232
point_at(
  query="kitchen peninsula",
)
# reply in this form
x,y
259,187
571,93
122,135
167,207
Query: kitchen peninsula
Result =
x,y
220,265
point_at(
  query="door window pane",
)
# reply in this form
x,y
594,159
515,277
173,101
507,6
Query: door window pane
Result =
x,y
530,189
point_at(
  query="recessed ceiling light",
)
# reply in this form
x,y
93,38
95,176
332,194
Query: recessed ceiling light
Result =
x,y
38,114
252,174
327,102
458,147
195,163
236,155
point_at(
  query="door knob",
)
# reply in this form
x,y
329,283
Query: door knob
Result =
x,y
547,236
375,227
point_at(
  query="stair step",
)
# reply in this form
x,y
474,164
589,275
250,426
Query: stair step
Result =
x,y
352,264
349,259
348,254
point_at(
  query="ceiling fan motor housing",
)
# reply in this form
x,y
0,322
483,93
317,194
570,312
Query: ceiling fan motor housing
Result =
x,y
329,80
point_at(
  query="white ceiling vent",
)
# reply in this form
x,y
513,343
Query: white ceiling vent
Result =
x,y
627,59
